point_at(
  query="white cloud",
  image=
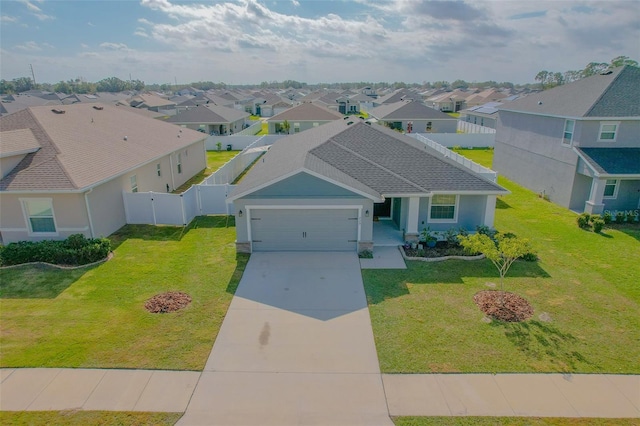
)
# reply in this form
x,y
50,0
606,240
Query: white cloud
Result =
x,y
8,19
114,46
32,46
36,11
84,46
91,24
296,3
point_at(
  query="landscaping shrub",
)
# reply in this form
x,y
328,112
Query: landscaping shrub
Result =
x,y
598,224
607,218
631,217
75,250
620,217
583,220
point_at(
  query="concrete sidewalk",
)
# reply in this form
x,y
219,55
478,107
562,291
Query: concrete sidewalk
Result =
x,y
524,395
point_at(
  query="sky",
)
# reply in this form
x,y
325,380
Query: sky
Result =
x,y
314,41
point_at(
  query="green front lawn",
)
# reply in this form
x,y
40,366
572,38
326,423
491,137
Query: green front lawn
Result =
x,y
95,317
82,418
510,421
424,318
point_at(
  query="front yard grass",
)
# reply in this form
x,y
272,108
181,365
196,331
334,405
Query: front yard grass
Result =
x,y
424,318
510,421
95,317
82,418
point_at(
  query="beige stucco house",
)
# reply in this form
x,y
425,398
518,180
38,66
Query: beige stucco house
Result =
x,y
64,168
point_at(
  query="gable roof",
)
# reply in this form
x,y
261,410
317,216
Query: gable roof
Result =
x,y
16,142
612,161
85,145
307,112
370,159
612,94
208,113
408,110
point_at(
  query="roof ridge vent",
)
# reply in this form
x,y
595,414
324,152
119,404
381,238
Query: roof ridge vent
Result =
x,y
58,111
97,107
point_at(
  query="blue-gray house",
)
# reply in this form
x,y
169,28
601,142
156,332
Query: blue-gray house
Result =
x,y
323,189
578,144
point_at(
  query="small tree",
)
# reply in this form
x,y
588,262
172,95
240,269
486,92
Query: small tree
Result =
x,y
502,251
219,146
286,126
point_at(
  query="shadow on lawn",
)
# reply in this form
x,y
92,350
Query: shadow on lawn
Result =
x,y
168,232
241,263
545,342
381,285
500,204
38,281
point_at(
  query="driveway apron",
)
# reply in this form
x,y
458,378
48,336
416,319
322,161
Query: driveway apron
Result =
x,y
296,348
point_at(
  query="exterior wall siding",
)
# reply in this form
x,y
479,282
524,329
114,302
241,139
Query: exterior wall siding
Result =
x,y
68,209
628,197
471,210
529,151
626,137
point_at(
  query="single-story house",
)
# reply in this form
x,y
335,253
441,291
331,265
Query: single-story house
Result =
x,y
151,102
414,117
211,119
65,168
323,189
302,117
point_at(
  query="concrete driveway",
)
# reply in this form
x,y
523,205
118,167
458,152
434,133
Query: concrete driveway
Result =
x,y
296,348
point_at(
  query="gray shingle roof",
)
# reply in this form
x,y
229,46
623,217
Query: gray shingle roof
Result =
x,y
209,114
409,110
612,161
616,94
307,112
85,146
369,158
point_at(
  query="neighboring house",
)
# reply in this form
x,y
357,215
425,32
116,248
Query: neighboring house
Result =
x,y
414,117
483,115
483,97
453,101
211,119
322,190
396,96
151,102
578,144
302,117
15,103
65,168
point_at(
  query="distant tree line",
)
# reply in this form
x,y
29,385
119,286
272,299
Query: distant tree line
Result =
x,y
546,79
549,79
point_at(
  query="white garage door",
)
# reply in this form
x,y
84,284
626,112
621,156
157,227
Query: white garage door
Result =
x,y
304,229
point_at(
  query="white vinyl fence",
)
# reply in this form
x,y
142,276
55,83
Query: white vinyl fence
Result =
x,y
464,126
463,140
475,167
208,197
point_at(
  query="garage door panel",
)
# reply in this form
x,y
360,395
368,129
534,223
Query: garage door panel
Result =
x,y
304,229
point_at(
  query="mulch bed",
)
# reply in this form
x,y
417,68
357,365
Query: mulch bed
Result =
x,y
170,301
441,249
503,306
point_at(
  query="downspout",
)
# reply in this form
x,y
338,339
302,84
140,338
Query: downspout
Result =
x,y
173,183
86,202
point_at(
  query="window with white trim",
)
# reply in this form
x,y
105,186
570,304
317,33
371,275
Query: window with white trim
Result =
x,y
39,214
296,127
158,170
134,183
608,131
429,126
611,188
179,163
443,207
567,136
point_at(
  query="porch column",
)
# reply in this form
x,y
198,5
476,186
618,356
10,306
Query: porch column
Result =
x,y
490,211
594,204
411,234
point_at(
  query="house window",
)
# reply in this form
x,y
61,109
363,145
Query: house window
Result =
x,y
443,208
316,124
179,164
429,126
611,188
296,127
158,170
39,214
134,183
567,136
608,131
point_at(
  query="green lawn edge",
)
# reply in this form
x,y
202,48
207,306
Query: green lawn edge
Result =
x,y
83,418
510,421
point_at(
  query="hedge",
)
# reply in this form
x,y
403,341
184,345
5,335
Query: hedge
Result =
x,y
75,250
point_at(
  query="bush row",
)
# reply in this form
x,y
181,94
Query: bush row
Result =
x,y
75,250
